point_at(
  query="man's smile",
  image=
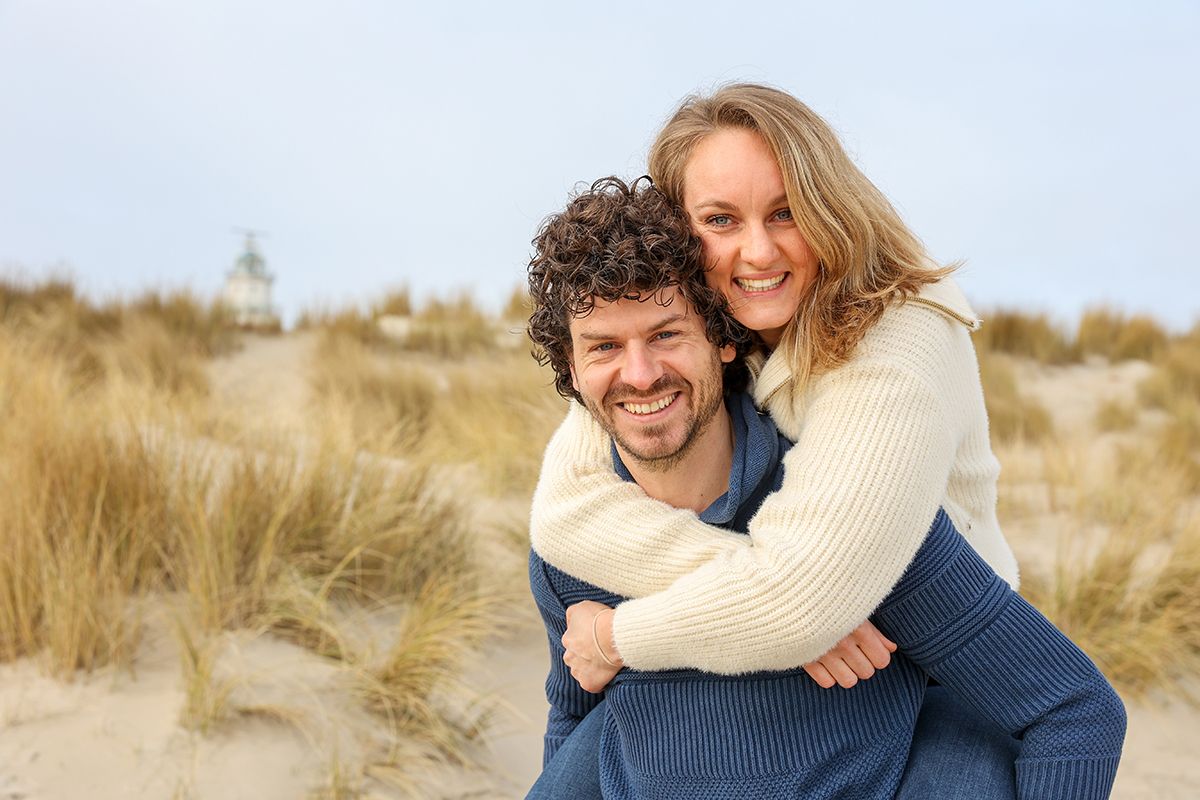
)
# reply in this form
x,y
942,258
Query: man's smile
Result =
x,y
650,408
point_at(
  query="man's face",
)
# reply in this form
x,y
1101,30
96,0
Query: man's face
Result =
x,y
648,374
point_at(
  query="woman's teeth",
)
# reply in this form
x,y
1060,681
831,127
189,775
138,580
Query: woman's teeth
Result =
x,y
760,284
650,408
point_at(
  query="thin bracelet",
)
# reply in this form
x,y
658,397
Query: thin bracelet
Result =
x,y
596,638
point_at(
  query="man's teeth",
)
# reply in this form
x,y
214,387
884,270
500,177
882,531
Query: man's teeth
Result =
x,y
649,408
760,284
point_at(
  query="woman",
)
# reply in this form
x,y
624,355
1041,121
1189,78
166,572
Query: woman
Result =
x,y
870,371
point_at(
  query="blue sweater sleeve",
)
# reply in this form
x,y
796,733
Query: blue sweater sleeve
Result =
x,y
954,617
569,703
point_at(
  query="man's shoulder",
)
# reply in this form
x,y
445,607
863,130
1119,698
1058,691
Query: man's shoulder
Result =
x,y
548,581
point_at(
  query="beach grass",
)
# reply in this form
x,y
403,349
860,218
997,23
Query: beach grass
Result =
x,y
1029,335
118,501
358,538
1012,415
1109,333
1121,582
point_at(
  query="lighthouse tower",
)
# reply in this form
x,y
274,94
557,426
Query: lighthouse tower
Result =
x,y
248,288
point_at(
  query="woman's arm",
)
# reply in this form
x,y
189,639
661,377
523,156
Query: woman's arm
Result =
x,y
590,523
875,444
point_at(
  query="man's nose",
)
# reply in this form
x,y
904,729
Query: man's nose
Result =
x,y
641,368
758,247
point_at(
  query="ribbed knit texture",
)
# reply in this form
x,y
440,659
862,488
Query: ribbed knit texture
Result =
x,y
882,442
687,734
956,619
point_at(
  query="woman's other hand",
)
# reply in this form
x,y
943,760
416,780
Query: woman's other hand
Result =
x,y
587,624
857,656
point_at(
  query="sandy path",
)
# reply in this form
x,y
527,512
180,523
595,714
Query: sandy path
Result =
x,y
113,735
1073,393
514,670
265,381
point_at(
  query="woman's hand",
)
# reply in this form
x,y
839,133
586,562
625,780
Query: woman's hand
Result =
x,y
857,656
587,665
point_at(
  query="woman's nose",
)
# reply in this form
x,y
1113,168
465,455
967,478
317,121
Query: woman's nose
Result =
x,y
759,248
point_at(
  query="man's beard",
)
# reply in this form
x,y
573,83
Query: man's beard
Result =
x,y
704,398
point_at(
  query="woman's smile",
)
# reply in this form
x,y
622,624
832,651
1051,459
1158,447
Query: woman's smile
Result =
x,y
760,285
735,197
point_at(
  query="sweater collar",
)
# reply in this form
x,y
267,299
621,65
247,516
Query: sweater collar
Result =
x,y
945,297
755,452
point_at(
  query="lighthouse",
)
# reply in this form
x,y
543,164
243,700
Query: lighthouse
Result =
x,y
248,288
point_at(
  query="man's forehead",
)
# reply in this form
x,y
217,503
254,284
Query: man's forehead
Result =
x,y
643,309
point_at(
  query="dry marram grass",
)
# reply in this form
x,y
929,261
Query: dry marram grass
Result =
x,y
114,498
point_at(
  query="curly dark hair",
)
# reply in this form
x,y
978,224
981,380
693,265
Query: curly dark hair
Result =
x,y
617,241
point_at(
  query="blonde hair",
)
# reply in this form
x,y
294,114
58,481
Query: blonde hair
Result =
x,y
868,258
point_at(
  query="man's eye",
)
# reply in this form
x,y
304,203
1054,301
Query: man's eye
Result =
x,y
665,335
603,347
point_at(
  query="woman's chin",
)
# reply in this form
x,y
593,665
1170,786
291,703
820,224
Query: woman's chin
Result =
x,y
768,326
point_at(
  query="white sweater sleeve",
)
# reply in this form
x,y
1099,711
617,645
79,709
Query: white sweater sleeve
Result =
x,y
873,453
589,522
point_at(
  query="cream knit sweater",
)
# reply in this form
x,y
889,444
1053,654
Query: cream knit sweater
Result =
x,y
881,442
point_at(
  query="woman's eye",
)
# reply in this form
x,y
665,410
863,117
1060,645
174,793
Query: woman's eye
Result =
x,y
784,215
720,220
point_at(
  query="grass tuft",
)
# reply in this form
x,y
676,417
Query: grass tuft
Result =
x,y
395,302
1115,416
451,329
1011,415
1122,584
1109,333
1030,335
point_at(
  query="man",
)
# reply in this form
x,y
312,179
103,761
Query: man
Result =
x,y
622,314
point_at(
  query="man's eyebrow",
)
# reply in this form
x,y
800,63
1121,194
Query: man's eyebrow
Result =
x,y
673,319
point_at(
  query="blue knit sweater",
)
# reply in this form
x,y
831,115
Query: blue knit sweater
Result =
x,y
688,734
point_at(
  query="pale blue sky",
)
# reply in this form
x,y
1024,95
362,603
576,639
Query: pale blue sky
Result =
x,y
1053,146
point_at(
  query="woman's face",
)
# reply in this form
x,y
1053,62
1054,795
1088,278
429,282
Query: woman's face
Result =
x,y
735,198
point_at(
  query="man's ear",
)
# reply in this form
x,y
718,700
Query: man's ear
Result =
x,y
574,378
728,353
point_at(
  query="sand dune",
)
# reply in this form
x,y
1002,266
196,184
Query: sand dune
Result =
x,y
116,734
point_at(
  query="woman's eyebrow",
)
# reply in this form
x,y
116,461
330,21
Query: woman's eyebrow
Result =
x,y
725,205
722,205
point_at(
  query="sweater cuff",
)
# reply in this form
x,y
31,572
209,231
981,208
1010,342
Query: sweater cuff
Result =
x,y
1075,779
635,651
